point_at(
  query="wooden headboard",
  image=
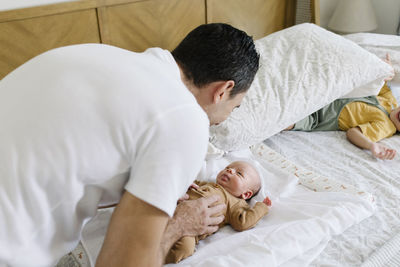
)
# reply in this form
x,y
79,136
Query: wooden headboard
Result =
x,y
133,24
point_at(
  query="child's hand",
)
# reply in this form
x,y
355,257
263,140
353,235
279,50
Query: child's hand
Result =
x,y
186,196
267,201
381,151
388,61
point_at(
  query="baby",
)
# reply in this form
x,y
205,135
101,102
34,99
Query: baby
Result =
x,y
366,120
235,184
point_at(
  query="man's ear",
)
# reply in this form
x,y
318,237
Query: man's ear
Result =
x,y
246,195
222,90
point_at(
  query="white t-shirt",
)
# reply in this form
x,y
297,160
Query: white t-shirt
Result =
x,y
78,125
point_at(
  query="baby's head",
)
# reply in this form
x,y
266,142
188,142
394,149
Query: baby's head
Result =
x,y
240,179
395,117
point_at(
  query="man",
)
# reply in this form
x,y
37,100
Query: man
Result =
x,y
91,125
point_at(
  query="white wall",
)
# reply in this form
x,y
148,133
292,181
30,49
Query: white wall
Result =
x,y
387,14
14,4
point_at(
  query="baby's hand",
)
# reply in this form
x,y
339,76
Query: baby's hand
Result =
x,y
388,61
381,151
267,201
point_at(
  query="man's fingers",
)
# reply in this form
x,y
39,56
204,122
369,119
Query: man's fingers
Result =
x,y
211,229
211,200
214,221
185,197
216,209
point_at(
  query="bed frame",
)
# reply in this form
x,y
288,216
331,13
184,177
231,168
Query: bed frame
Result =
x,y
134,24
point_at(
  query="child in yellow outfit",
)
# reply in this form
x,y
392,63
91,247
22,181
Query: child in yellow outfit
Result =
x,y
366,121
235,184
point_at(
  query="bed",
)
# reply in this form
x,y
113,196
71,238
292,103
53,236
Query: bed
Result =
x,y
331,153
368,237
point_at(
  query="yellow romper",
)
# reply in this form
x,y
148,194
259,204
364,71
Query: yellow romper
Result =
x,y
373,122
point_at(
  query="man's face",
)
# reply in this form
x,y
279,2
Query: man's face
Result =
x,y
220,111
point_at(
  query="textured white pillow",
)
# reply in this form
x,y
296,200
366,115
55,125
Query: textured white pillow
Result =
x,y
302,69
380,44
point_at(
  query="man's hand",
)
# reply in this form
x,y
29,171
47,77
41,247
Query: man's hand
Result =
x,y
197,217
382,152
186,196
192,218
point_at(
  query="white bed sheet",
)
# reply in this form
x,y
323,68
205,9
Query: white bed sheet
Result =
x,y
298,227
330,154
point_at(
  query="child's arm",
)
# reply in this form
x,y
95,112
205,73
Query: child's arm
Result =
x,y
241,217
389,61
356,137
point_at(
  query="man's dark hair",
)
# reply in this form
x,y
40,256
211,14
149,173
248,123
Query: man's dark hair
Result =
x,y
218,52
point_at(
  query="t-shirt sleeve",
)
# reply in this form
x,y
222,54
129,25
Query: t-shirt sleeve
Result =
x,y
169,155
378,129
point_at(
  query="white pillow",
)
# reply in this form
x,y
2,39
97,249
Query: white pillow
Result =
x,y
302,69
380,44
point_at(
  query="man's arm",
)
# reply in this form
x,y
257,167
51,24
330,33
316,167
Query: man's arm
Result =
x,y
356,137
134,235
141,235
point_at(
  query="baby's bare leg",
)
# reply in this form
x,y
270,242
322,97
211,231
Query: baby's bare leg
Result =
x,y
289,128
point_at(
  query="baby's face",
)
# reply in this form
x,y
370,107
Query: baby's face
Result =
x,y
238,178
394,117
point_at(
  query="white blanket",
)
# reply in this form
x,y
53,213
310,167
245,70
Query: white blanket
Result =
x,y
329,153
298,227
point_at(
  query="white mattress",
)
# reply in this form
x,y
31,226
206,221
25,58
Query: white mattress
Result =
x,y
331,155
373,242
307,211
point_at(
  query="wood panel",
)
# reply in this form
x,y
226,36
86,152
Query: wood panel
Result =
x,y
256,17
315,12
23,39
52,9
131,24
137,26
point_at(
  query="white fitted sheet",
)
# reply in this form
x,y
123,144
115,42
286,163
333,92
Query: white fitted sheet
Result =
x,y
330,154
298,227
